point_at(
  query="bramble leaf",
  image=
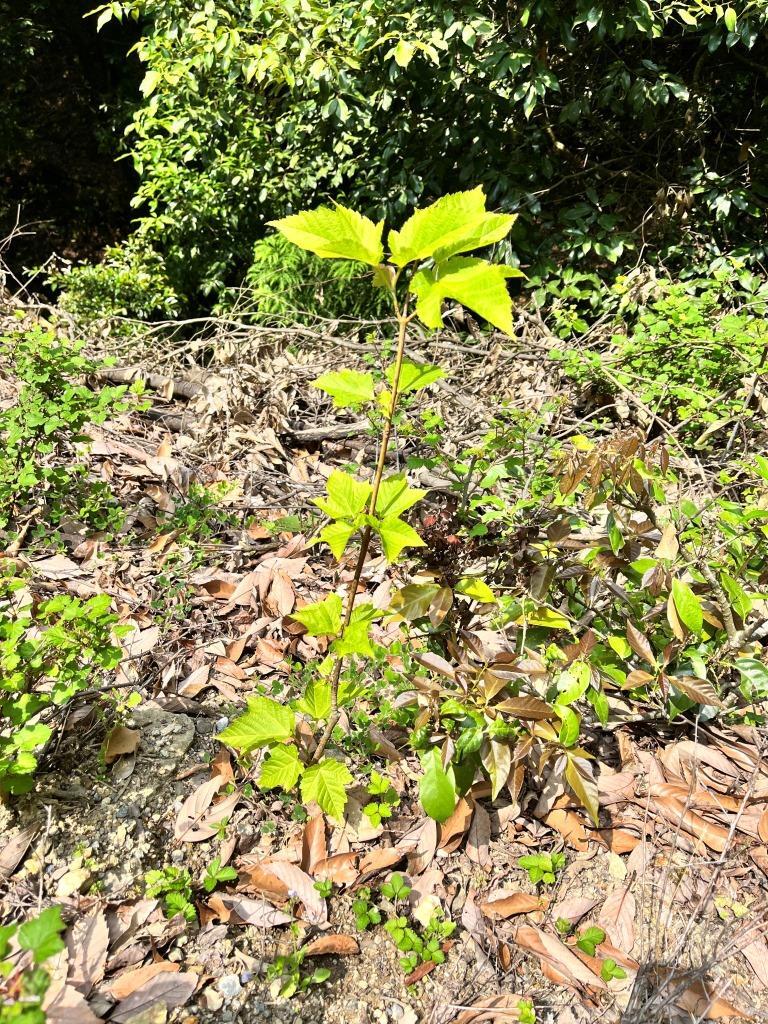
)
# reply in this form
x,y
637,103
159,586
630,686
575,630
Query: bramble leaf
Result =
x,y
281,769
264,722
413,376
396,535
334,232
326,783
347,497
41,935
316,701
336,536
395,496
323,618
455,223
346,387
475,283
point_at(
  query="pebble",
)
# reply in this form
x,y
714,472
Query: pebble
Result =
x,y
177,856
229,986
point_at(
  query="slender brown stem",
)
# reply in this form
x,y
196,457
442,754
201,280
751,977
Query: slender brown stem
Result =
x,y
365,540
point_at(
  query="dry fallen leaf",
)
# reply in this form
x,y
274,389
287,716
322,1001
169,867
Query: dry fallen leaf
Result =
x,y
552,951
617,919
131,981
168,989
250,911
341,868
491,1010
517,903
336,945
302,886
120,741
453,830
14,850
87,941
479,838
313,843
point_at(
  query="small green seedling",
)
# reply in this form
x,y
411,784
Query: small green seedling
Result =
x,y
525,1012
610,969
542,867
563,926
365,912
174,884
385,799
396,888
418,949
589,939
215,874
324,887
287,977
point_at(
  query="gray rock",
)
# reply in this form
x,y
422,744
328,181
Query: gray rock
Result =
x,y
229,986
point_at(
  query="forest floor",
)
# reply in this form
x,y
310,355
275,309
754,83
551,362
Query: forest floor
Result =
x,y
675,876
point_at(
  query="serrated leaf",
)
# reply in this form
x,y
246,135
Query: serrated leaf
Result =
x,y
497,761
41,936
437,791
346,496
334,232
396,535
475,283
583,786
264,722
413,601
455,223
354,640
395,496
316,701
337,536
413,376
477,589
281,769
346,387
687,605
322,618
326,783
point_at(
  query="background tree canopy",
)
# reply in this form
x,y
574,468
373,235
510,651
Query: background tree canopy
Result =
x,y
618,130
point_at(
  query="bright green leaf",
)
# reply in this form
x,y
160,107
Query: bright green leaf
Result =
x,y
41,935
334,233
347,497
730,18
347,387
570,725
414,376
264,722
395,496
323,618
475,283
336,536
354,640
396,535
326,783
476,589
687,605
316,701
455,223
281,769
437,791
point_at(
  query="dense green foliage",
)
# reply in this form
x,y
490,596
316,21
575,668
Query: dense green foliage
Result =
x,y
22,991
616,129
41,478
